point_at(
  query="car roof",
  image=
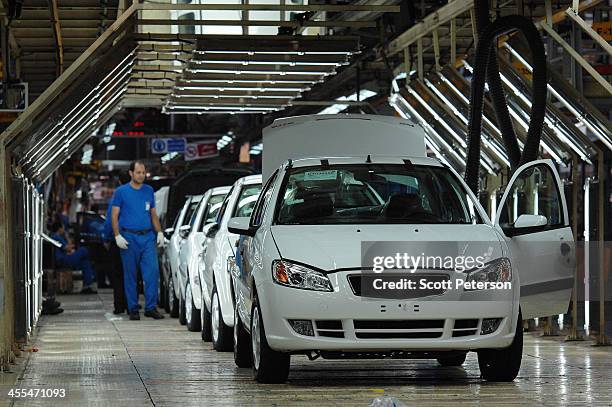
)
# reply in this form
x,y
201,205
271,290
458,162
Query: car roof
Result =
x,y
220,190
374,159
250,180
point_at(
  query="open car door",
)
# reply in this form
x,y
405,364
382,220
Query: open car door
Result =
x,y
533,218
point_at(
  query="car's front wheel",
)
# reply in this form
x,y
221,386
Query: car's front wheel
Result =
x,y
221,333
503,365
173,303
192,314
269,366
206,323
243,356
182,310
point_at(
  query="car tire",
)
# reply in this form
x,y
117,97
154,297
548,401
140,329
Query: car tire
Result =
x,y
243,355
182,311
269,366
192,314
503,365
173,302
452,361
206,323
166,302
221,333
161,293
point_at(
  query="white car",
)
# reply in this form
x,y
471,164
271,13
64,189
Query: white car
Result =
x,y
173,247
219,250
320,271
188,278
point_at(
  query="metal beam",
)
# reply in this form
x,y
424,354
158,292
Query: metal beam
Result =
x,y
259,23
429,23
270,7
577,57
589,30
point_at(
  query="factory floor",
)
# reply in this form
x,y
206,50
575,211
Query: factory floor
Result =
x,y
100,359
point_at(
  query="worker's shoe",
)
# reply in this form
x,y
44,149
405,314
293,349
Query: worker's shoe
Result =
x,y
154,313
88,290
134,315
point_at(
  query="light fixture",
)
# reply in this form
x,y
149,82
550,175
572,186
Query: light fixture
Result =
x,y
288,63
254,72
337,108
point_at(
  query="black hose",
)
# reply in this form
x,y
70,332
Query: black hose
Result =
x,y
496,90
484,52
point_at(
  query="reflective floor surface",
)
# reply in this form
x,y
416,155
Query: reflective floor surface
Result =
x,y
100,359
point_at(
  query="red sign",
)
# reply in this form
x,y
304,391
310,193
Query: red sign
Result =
x,y
197,151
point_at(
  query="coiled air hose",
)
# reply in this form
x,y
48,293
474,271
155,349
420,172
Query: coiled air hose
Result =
x,y
484,69
496,90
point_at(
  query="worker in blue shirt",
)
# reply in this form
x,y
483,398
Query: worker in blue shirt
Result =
x,y
137,229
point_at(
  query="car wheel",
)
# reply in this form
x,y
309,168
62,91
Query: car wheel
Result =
x,y
192,314
173,303
221,333
503,365
269,366
455,360
182,313
206,323
243,356
161,293
166,302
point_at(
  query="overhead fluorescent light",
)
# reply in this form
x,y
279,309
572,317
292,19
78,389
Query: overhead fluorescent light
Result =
x,y
288,63
251,72
335,109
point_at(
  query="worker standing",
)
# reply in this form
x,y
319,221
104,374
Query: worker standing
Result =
x,y
134,221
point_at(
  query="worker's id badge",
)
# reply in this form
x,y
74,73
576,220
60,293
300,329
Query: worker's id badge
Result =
x,y
147,206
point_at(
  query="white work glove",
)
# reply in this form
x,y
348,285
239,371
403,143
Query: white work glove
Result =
x,y
121,242
160,239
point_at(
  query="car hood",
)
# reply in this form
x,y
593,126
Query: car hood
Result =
x,y
332,247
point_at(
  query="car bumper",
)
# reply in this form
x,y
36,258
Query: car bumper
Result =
x,y
362,324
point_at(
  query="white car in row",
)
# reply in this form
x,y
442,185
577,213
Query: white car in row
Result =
x,y
303,282
171,253
217,311
194,235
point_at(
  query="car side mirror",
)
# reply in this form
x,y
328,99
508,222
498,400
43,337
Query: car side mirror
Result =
x,y
241,226
184,231
526,223
530,221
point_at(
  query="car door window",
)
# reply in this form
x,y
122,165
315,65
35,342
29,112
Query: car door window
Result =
x,y
212,209
224,206
534,192
262,202
246,200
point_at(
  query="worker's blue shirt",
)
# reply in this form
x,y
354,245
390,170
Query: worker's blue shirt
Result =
x,y
135,206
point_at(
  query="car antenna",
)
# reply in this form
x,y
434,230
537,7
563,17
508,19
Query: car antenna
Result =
x,y
369,159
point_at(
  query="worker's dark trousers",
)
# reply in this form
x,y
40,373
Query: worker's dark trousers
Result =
x,y
116,274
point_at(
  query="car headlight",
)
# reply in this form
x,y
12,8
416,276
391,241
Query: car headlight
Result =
x,y
496,271
296,276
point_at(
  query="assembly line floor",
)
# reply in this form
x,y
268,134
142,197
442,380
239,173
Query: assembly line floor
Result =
x,y
104,360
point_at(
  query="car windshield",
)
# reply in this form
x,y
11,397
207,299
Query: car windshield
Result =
x,y
374,193
246,200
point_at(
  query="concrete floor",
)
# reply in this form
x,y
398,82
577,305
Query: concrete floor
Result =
x,y
104,360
